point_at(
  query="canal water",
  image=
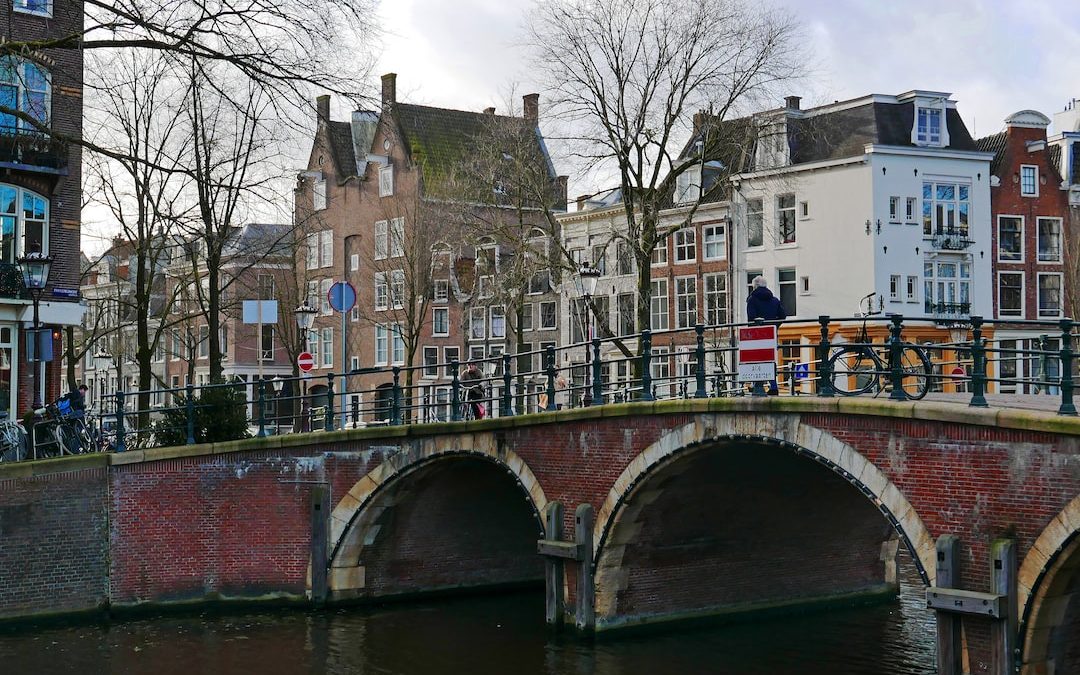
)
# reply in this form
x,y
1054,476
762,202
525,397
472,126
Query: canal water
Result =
x,y
486,635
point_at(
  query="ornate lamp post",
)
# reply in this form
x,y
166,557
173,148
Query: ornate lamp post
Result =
x,y
305,317
279,384
588,276
34,267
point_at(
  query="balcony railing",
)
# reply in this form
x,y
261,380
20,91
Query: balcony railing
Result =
x,y
32,150
951,241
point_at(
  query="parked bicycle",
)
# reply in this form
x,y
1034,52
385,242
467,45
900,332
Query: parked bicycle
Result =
x,y
13,443
863,366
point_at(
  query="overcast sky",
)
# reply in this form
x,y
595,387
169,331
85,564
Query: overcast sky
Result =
x,y
995,57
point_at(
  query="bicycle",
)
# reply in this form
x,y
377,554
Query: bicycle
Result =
x,y
13,444
472,403
862,366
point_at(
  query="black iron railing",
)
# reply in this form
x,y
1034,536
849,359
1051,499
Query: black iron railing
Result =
x,y
33,149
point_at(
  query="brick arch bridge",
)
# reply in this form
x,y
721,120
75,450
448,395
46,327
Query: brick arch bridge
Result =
x,y
687,508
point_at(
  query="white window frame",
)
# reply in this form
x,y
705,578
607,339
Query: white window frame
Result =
x,y
686,305
1020,256
386,180
382,345
451,353
714,299
324,297
397,345
397,289
1022,311
397,237
326,350
23,7
440,291
911,210
429,372
659,255
1039,237
780,211
925,136
493,312
755,215
714,235
894,209
911,290
435,312
382,239
686,245
382,291
658,305
20,220
477,317
1061,295
354,262
894,287
326,248
554,315
1034,170
318,194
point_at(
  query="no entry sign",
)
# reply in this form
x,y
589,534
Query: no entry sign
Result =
x,y
757,353
305,361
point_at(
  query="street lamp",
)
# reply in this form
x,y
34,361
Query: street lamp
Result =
x,y
34,267
305,317
588,276
279,384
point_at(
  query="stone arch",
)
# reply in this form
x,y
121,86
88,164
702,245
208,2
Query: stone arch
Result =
x,y
784,431
354,523
1048,579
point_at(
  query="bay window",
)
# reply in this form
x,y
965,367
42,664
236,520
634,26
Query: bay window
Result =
x,y
24,86
24,223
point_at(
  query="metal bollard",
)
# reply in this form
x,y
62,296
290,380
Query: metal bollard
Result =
x,y
507,394
647,393
189,411
1067,405
395,399
597,374
262,410
119,422
330,402
549,356
896,373
455,392
978,364
825,382
699,331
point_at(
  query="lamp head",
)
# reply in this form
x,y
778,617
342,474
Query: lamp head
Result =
x,y
589,276
34,267
305,316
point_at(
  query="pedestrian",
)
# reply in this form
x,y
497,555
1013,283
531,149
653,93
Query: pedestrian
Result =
x,y
762,304
472,381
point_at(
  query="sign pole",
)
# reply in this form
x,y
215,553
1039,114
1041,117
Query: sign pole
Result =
x,y
344,352
342,297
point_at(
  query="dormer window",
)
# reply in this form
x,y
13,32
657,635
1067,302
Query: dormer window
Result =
x,y
929,126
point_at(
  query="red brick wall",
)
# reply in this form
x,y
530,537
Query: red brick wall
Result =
x,y
54,543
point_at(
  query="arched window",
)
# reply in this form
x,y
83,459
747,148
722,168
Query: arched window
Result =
x,y
24,86
24,223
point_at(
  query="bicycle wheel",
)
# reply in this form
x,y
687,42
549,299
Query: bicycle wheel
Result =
x,y
67,439
917,369
855,370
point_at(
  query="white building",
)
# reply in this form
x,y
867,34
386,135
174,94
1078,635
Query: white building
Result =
x,y
1066,138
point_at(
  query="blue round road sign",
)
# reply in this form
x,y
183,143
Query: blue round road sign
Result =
x,y
342,296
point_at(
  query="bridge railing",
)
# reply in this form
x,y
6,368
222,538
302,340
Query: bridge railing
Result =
x,y
871,356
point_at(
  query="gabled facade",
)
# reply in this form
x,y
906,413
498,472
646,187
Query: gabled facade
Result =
x,y
381,207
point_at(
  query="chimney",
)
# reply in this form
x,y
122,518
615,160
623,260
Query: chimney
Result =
x,y
322,109
560,192
581,202
699,120
389,89
530,106
792,102
489,111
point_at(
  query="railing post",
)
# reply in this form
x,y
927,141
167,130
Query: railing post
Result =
x,y
395,397
455,392
824,370
189,412
119,422
1044,364
699,332
896,373
978,364
646,366
1067,405
507,394
597,370
549,357
758,387
262,410
330,402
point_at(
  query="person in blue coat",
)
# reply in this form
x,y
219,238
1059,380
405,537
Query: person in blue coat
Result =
x,y
762,304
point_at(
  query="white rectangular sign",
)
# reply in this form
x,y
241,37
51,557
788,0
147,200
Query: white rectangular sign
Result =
x,y
269,311
757,372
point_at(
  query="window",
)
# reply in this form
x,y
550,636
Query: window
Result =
x,y
354,313
313,250
894,209
946,209
911,291
716,312
382,239
659,254
624,263
715,240
540,282
498,322
526,316
909,212
266,343
397,288
24,86
327,347
685,302
626,308
658,305
686,245
397,237
386,180
1010,294
1029,180
599,258
1007,371
928,126
579,315
440,290
450,354
894,287
398,344
204,341
755,223
326,248
39,7
804,210
324,296
1049,295
947,287
477,323
354,262
431,361
382,345
1010,238
548,319
382,291
750,275
1049,243
319,194
354,364
266,288
786,283
688,185
24,218
785,218
440,322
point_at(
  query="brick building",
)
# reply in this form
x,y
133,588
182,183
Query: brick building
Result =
x,y
384,206
40,185
1030,208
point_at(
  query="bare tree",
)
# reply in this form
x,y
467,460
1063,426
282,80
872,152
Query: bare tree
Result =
x,y
1071,237
626,76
